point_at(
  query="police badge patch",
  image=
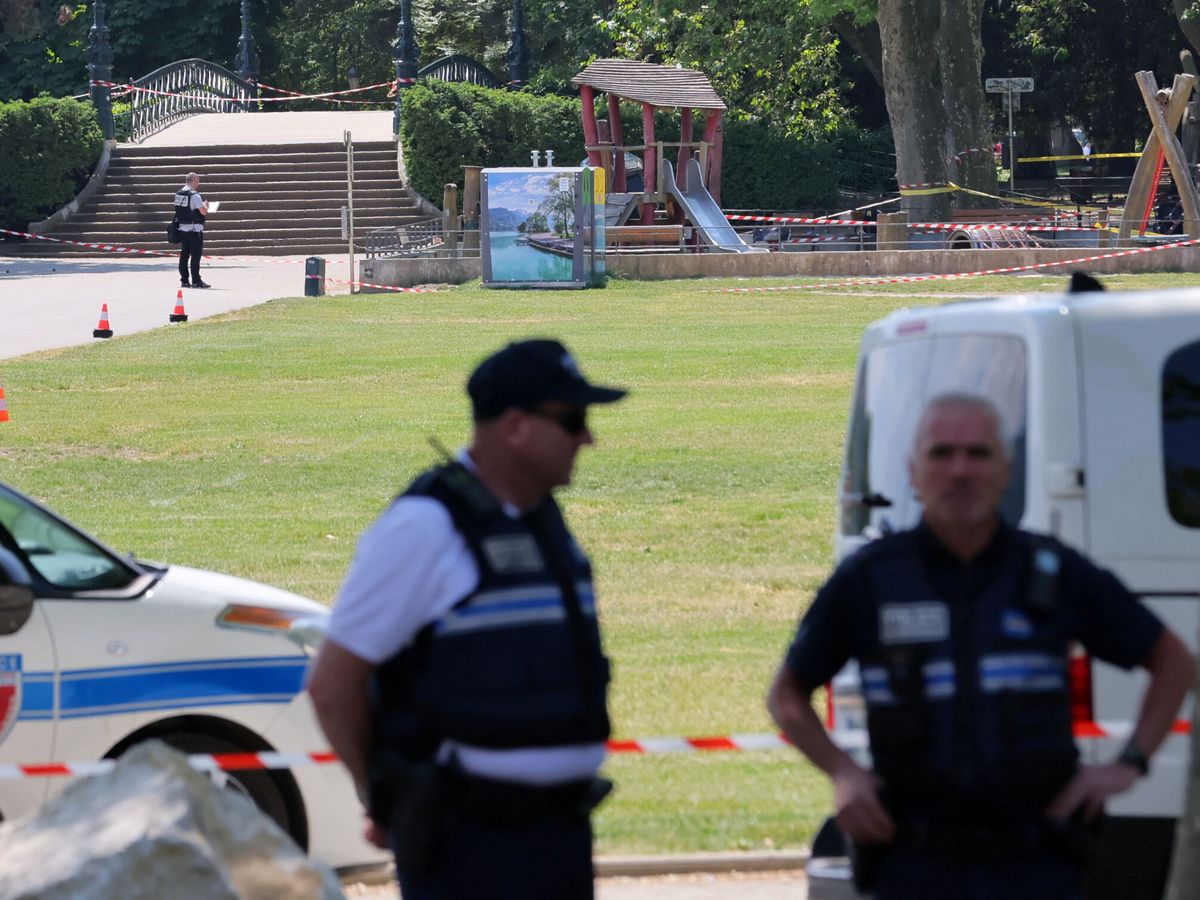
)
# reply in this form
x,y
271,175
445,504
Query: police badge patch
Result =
x,y
511,553
10,691
914,623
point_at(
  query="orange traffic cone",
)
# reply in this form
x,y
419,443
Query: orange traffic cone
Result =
x,y
3,406
179,315
102,330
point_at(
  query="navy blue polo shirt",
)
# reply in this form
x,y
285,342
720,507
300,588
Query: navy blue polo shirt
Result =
x,y
1095,608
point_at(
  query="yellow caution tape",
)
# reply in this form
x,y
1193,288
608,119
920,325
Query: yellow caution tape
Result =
x,y
1021,159
948,188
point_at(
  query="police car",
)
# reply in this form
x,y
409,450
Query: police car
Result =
x,y
99,651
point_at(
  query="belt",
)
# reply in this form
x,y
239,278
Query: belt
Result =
x,y
976,844
509,803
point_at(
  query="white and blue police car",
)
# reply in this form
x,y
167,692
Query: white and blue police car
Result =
x,y
99,651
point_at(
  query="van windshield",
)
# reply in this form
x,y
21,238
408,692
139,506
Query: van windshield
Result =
x,y
895,380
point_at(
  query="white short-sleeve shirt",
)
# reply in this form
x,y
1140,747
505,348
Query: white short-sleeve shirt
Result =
x,y
410,567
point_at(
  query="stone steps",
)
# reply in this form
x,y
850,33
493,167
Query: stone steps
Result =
x,y
280,199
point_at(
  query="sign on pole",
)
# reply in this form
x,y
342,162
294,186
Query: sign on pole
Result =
x,y
1008,85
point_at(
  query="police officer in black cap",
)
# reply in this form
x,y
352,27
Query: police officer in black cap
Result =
x,y
462,680
961,630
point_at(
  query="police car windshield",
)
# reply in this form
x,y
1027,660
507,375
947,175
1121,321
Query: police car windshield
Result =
x,y
56,552
895,381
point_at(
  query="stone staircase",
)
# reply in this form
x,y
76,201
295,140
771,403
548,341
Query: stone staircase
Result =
x,y
283,199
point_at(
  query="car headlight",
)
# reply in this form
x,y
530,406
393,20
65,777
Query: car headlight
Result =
x,y
304,628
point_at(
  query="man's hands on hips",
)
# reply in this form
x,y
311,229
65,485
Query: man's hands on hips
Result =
x,y
1091,786
860,814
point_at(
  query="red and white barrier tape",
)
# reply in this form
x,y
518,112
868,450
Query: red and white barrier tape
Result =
x,y
940,226
172,253
232,762
911,279
204,762
213,98
111,248
386,287
297,95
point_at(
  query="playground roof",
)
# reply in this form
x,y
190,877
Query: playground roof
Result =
x,y
650,83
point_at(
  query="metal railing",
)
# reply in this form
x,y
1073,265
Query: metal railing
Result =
x,y
459,67
415,239
185,88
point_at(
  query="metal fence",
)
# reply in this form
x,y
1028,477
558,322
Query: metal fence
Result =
x,y
182,89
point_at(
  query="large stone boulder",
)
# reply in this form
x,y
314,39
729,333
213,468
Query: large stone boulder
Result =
x,y
155,828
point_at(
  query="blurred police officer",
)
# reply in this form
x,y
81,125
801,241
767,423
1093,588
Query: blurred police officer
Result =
x,y
462,680
961,627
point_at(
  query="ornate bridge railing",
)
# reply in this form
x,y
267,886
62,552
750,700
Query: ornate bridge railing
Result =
x,y
185,88
458,67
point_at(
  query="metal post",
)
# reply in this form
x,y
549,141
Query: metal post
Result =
x,y
407,56
518,51
246,62
1012,141
350,201
99,66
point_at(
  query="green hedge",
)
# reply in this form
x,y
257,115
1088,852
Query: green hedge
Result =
x,y
49,149
447,126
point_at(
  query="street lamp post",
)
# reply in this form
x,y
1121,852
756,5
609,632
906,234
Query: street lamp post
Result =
x,y
246,63
407,56
518,52
99,66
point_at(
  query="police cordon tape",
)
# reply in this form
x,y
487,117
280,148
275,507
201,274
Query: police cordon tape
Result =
x,y
386,287
115,248
267,759
212,98
930,226
912,279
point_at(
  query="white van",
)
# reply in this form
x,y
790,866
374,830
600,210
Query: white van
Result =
x,y
1100,393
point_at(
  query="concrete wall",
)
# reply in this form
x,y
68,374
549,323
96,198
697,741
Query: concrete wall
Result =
x,y
868,264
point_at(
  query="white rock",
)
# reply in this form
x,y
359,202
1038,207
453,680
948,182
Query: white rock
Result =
x,y
155,828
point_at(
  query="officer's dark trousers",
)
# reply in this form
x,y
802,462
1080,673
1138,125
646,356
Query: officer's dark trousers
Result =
x,y
549,858
191,248
906,874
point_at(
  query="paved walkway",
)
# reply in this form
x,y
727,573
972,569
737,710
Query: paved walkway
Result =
x,y
48,303
222,129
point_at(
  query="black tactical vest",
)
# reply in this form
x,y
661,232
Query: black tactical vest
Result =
x,y
183,208
518,661
967,700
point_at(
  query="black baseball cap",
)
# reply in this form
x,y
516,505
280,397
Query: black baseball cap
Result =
x,y
527,373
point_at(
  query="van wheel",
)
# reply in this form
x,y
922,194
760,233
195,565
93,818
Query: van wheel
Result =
x,y
257,785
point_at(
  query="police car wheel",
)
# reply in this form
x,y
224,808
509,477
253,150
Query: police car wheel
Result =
x,y
258,786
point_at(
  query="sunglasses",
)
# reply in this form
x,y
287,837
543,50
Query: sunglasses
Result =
x,y
573,421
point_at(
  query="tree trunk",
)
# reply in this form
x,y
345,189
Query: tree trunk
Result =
x,y
912,85
863,40
1189,21
1184,883
968,122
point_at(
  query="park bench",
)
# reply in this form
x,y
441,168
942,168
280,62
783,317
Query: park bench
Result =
x,y
648,237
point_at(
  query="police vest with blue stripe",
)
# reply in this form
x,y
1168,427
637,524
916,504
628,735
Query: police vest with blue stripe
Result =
x,y
518,661
967,701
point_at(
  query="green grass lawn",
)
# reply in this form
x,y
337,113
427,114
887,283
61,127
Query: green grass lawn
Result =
x,y
262,442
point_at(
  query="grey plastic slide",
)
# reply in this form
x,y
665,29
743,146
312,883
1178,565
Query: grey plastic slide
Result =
x,y
702,210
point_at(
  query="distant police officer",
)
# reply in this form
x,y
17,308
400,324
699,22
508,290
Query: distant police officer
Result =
x,y
960,628
463,681
190,210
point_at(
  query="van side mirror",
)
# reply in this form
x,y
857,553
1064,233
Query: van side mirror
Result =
x,y
16,593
